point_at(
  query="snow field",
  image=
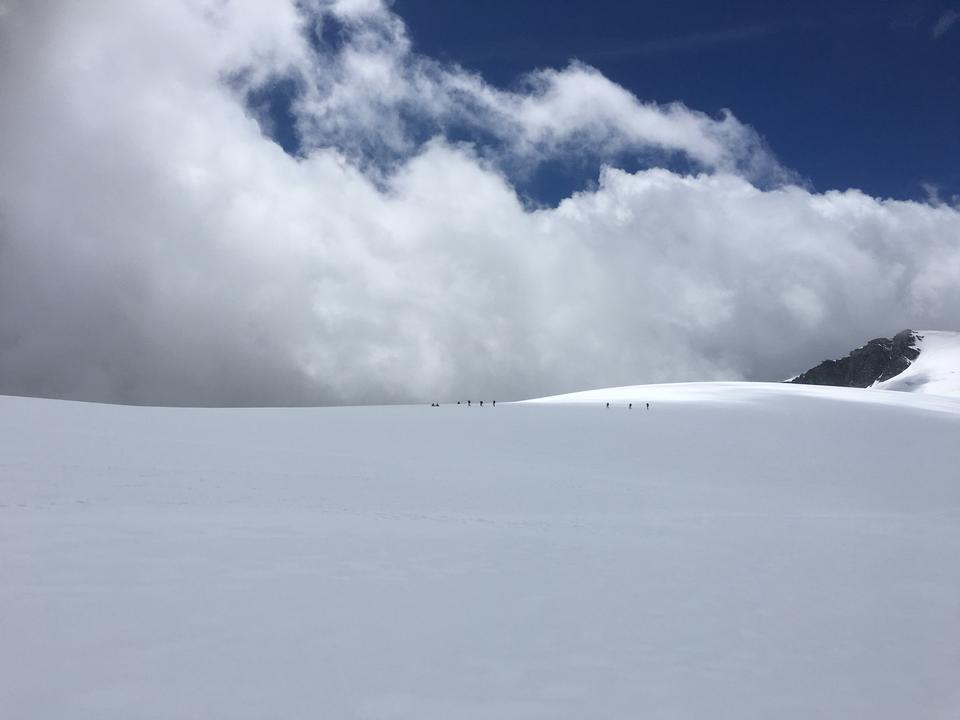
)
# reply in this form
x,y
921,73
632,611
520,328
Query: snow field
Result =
x,y
743,551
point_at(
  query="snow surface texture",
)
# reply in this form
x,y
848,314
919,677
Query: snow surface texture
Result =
x,y
935,371
737,551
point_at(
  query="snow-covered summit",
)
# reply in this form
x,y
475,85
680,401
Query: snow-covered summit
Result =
x,y
935,371
921,362
877,360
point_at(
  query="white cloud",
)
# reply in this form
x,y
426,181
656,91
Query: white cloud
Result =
x,y
373,90
156,247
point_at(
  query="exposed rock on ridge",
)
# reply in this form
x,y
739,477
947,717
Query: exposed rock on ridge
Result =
x,y
878,360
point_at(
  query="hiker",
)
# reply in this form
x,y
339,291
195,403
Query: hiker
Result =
x,y
608,405
481,403
630,406
494,403
648,406
468,403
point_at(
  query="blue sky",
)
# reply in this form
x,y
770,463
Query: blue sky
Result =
x,y
849,94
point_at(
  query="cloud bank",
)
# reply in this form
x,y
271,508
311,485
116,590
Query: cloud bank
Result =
x,y
157,246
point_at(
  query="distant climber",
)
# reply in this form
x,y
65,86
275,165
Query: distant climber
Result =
x,y
648,406
630,406
494,403
468,403
608,404
481,403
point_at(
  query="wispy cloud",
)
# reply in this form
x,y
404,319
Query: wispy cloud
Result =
x,y
946,21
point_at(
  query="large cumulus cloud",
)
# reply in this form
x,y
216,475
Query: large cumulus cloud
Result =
x,y
156,246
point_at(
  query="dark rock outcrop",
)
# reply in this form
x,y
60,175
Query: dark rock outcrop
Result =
x,y
878,360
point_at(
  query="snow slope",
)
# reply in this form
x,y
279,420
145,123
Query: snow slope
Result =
x,y
737,551
936,370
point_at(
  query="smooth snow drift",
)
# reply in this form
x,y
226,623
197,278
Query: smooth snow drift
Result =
x,y
751,552
936,371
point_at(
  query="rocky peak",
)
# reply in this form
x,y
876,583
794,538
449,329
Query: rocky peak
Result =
x,y
878,360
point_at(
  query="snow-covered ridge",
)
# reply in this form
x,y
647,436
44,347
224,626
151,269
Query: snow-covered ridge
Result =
x,y
936,371
737,393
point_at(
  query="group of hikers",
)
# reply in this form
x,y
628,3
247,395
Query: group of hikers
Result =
x,y
630,406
